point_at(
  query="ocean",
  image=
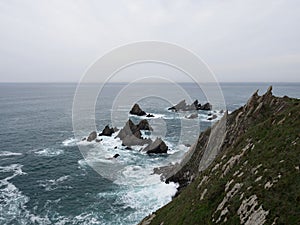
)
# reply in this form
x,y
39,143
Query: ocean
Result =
x,y
44,178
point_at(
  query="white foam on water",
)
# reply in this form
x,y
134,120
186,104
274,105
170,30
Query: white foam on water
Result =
x,y
70,142
13,201
53,184
49,152
144,192
8,153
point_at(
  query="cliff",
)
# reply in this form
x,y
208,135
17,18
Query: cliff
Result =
x,y
244,170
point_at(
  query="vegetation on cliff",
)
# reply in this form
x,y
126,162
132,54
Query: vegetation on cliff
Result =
x,y
254,177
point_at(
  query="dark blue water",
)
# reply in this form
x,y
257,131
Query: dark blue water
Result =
x,y
43,176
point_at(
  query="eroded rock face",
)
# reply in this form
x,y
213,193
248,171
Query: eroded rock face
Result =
x,y
183,106
92,136
144,125
156,147
107,131
192,116
136,110
131,134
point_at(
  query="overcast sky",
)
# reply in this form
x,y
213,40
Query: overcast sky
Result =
x,y
56,41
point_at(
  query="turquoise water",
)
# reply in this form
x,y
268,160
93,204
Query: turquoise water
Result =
x,y
44,178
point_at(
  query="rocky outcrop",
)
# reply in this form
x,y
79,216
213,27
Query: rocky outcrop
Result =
x,y
107,131
156,147
192,116
131,134
136,110
241,175
92,136
183,106
212,117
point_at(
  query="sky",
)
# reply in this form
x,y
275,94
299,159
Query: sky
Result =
x,y
241,41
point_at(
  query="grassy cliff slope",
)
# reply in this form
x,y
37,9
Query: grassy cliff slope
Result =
x,y
255,177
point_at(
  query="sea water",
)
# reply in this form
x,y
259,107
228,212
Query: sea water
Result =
x,y
44,178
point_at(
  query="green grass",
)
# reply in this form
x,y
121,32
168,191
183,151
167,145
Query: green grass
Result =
x,y
275,148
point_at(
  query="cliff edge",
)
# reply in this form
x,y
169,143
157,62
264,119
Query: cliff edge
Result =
x,y
243,170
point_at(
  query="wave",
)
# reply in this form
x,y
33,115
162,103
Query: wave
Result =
x,y
49,152
53,184
13,201
7,153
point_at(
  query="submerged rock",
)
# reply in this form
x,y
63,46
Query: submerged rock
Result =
x,y
136,110
212,117
156,147
92,136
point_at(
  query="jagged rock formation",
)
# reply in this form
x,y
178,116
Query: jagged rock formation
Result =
x,y
107,131
183,106
136,110
92,136
156,147
131,134
248,175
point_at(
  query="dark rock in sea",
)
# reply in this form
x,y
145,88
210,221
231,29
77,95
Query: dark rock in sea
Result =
x,y
128,148
156,147
98,140
150,115
207,106
131,134
129,129
136,110
92,136
131,140
107,131
144,125
115,147
212,118
222,111
187,145
183,106
83,139
192,116
116,129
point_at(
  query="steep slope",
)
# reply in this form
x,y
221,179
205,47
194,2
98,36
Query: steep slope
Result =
x,y
255,177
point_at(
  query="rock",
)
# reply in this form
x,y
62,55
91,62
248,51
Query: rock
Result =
x,y
97,140
129,129
131,134
115,147
83,139
150,115
131,140
156,147
180,106
128,148
207,106
136,110
192,116
183,106
212,118
144,125
92,136
116,129
107,131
